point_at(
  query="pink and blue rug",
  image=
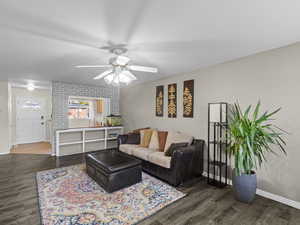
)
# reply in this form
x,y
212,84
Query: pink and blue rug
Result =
x,y
68,196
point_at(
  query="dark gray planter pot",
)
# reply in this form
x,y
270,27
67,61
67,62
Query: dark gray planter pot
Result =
x,y
244,187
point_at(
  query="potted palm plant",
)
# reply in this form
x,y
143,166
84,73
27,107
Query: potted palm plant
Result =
x,y
252,136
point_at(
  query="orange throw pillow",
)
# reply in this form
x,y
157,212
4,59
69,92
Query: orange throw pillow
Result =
x,y
162,138
146,137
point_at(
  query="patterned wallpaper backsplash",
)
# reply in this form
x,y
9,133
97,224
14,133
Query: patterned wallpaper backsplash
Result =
x,y
60,96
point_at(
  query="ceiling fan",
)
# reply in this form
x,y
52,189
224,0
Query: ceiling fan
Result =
x,y
119,69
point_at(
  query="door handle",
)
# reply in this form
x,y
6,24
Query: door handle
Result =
x,y
42,123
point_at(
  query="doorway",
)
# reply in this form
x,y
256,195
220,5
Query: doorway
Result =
x,y
30,120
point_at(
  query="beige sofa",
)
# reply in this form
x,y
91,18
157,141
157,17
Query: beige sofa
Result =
x,y
183,164
154,155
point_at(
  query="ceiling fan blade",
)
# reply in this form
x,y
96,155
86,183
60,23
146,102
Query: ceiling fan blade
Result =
x,y
111,45
105,73
93,66
143,68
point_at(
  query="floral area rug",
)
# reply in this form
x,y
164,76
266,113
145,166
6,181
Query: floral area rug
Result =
x,y
68,196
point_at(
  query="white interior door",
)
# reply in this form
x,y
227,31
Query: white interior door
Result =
x,y
30,119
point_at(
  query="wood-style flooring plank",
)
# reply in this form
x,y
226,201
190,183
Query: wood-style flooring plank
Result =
x,y
203,205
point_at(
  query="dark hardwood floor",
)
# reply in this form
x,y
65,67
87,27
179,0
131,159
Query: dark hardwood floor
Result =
x,y
203,205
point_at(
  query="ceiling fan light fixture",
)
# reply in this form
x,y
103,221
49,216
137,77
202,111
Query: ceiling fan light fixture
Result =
x,y
129,75
119,76
119,67
109,78
124,78
116,81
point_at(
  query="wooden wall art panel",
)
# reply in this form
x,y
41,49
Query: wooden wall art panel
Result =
x,y
172,100
159,101
188,98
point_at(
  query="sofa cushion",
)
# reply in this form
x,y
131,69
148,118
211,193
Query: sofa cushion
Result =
x,y
142,153
141,132
127,148
162,138
160,159
133,138
146,137
177,137
154,143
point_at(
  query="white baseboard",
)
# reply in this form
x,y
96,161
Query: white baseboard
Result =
x,y
4,153
278,198
269,195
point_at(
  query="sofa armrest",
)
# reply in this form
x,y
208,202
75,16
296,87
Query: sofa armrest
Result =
x,y
182,156
188,161
192,152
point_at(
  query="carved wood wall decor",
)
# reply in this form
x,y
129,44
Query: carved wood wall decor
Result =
x,y
159,101
172,100
188,98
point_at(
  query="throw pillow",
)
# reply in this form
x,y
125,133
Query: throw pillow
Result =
x,y
154,143
162,138
177,137
133,138
141,132
173,147
146,137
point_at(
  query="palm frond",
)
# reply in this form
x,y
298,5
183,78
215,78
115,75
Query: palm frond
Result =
x,y
252,136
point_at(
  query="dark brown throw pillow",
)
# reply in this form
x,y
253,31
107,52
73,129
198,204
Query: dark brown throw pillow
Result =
x,y
174,147
133,138
162,138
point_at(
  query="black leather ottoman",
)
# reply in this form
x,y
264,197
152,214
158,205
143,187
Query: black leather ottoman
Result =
x,y
113,170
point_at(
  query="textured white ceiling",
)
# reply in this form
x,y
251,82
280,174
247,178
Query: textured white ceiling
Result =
x,y
43,40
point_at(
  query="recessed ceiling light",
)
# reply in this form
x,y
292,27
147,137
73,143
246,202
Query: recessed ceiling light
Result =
x,y
30,87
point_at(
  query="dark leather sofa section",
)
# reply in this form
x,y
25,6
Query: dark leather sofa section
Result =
x,y
186,163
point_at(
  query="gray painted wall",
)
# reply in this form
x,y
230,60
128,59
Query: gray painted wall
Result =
x,y
4,118
273,77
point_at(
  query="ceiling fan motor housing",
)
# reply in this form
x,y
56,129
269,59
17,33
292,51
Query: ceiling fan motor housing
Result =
x,y
119,60
118,51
